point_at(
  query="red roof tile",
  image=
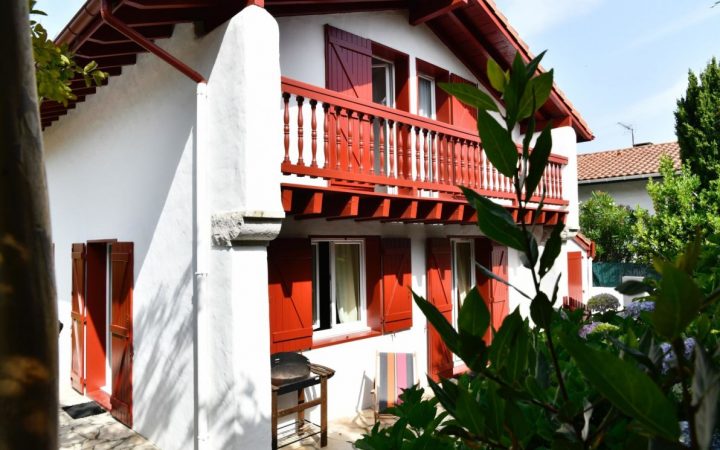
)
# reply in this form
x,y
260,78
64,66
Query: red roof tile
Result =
x,y
641,160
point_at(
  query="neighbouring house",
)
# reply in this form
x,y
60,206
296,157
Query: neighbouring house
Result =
x,y
281,185
624,173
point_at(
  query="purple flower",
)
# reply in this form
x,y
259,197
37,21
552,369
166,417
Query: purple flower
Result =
x,y
587,329
635,308
669,359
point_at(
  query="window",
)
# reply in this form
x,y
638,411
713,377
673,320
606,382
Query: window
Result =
x,y
463,257
323,291
426,97
338,285
382,82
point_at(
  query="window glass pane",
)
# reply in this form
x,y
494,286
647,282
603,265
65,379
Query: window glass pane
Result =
x,y
380,83
347,282
463,268
425,97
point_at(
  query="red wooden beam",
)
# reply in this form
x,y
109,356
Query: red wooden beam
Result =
x,y
107,35
423,10
95,50
109,61
402,209
170,4
344,207
373,208
430,211
287,196
453,213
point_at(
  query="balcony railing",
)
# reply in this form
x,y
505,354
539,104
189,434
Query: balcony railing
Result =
x,y
362,145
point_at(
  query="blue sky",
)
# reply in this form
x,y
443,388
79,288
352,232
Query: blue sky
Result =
x,y
616,61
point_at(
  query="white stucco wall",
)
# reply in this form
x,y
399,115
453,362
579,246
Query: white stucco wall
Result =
x,y
629,193
121,166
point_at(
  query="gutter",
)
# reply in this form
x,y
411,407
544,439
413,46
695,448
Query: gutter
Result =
x,y
201,230
620,178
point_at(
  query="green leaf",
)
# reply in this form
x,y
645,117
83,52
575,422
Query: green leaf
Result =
x,y
541,311
495,412
438,320
626,387
497,76
536,93
474,317
495,221
514,89
533,65
469,412
503,338
517,358
497,144
538,161
470,95
705,390
677,301
552,250
446,395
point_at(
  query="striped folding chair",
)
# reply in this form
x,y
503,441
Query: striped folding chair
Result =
x,y
395,372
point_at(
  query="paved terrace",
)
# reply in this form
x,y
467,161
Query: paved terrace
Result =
x,y
102,431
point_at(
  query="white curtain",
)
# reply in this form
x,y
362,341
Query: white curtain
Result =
x,y
347,282
463,266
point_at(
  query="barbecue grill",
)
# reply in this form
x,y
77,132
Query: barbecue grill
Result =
x,y
292,372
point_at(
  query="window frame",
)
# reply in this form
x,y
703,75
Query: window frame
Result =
x,y
433,106
337,329
389,78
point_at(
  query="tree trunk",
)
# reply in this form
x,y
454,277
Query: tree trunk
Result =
x,y
28,316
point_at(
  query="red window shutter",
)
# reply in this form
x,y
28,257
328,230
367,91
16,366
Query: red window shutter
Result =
x,y
499,291
348,63
439,292
462,115
397,279
291,296
575,290
373,281
77,318
121,330
348,70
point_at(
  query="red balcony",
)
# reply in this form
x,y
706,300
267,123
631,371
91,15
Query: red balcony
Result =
x,y
355,146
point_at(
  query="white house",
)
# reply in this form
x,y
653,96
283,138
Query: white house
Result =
x,y
624,173
267,177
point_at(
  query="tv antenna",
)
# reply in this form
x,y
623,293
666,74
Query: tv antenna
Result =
x,y
632,131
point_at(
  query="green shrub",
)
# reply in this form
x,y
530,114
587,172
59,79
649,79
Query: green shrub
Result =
x,y
603,302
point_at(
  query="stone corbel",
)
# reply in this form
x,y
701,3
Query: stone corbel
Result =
x,y
237,227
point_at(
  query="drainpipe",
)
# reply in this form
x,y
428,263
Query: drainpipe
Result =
x,y
203,372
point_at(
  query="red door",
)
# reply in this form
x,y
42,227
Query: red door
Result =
x,y
77,317
348,70
575,289
439,292
121,267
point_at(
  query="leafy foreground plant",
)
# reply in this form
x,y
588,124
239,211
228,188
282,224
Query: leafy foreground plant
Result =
x,y
546,386
55,67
